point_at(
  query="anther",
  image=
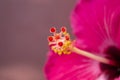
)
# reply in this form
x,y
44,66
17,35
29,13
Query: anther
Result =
x,y
57,36
67,37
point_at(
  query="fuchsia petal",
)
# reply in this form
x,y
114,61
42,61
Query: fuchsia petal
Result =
x,y
95,22
71,67
116,25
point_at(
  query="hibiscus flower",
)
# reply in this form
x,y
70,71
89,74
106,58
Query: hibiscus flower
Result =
x,y
96,25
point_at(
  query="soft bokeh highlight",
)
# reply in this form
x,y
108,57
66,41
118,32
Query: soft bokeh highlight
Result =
x,y
24,27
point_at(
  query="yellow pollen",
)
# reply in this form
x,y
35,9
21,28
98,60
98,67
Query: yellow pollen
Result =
x,y
64,49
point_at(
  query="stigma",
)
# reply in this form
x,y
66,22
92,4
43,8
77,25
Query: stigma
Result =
x,y
60,42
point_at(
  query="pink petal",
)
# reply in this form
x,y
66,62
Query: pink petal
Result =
x,y
96,22
71,67
116,27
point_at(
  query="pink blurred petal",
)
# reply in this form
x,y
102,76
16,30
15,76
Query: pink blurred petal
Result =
x,y
96,25
71,67
93,22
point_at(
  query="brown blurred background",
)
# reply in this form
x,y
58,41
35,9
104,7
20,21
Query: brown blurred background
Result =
x,y
24,27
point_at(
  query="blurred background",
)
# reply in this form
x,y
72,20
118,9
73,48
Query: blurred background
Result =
x,y
24,27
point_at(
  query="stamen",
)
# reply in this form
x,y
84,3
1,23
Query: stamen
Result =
x,y
62,44
67,37
57,36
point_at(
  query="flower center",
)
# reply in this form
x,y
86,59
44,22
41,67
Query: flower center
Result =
x,y
112,53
